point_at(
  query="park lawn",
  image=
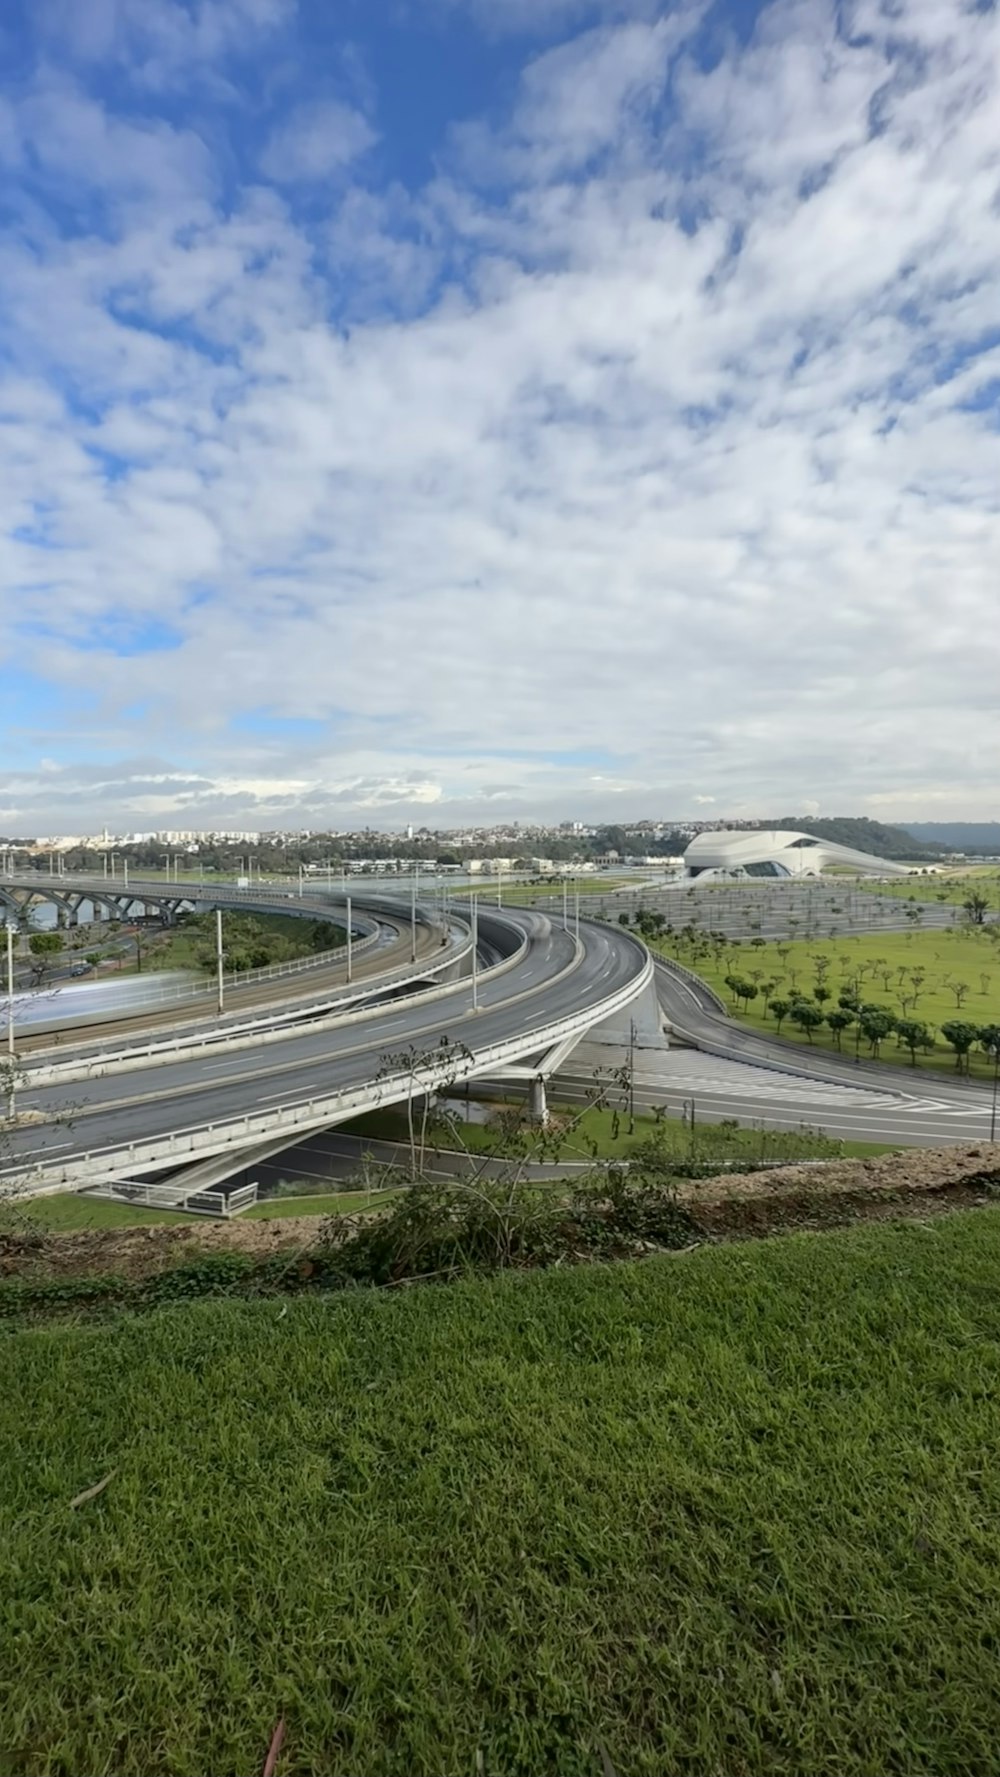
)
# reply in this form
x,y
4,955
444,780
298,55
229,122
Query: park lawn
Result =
x,y
524,894
729,1512
966,955
954,888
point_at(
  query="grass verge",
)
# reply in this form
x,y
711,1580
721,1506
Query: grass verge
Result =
x,y
603,1134
918,974
727,1513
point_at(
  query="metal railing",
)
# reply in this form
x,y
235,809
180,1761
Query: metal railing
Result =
x,y
174,1197
202,1140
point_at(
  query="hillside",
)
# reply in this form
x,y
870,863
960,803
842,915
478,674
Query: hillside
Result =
x,y
974,837
726,1512
862,834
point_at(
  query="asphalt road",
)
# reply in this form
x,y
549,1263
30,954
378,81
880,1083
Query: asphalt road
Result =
x,y
547,984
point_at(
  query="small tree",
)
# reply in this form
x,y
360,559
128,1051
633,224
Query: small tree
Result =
x,y
976,907
44,947
780,1010
839,1022
821,994
960,1035
875,1024
960,989
913,1034
808,1017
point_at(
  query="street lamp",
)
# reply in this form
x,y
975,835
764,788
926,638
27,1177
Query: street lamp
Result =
x,y
219,960
12,1070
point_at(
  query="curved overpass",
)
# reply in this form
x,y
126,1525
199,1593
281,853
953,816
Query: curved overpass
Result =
x,y
386,937
549,992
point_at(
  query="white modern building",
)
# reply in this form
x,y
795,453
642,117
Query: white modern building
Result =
x,y
729,852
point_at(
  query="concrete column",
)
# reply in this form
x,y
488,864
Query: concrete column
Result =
x,y
538,1109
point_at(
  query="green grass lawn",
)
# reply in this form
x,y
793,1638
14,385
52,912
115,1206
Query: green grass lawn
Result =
x,y
729,1513
517,894
64,1210
885,963
600,1134
320,1204
952,888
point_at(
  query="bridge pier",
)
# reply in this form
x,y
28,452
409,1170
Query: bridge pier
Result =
x,y
538,1107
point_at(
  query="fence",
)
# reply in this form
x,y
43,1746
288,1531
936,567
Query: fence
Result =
x,y
175,1197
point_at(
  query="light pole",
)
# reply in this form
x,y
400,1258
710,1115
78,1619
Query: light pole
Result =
x,y
12,1075
631,1076
576,894
475,954
996,1076
565,905
413,912
220,975
350,954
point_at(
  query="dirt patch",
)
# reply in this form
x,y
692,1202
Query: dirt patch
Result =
x,y
143,1252
823,1194
829,1193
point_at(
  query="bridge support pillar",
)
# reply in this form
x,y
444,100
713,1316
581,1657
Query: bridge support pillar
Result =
x,y
538,1106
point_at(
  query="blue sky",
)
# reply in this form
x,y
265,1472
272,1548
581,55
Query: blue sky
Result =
x,y
450,409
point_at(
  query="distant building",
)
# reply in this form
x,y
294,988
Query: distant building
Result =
x,y
727,852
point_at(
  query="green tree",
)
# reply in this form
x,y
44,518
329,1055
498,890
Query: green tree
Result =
x,y
875,1024
808,1017
838,1022
960,1036
913,1034
780,1010
44,948
976,907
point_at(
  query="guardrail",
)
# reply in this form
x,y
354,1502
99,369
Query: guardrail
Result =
x,y
670,967
206,1203
200,1141
272,1028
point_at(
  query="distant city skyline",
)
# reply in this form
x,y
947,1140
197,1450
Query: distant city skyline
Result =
x,y
412,411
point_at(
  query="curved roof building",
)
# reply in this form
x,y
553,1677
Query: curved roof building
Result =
x,y
756,852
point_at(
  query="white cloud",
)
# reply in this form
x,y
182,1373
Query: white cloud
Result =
x,y
683,460
162,43
315,141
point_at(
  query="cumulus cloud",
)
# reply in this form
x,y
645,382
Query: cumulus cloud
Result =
x,y
315,141
665,424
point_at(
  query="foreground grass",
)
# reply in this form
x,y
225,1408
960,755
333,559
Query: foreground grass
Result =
x,y
883,963
727,1513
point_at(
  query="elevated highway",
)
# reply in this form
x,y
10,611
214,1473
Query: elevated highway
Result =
x,y
386,938
148,1116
